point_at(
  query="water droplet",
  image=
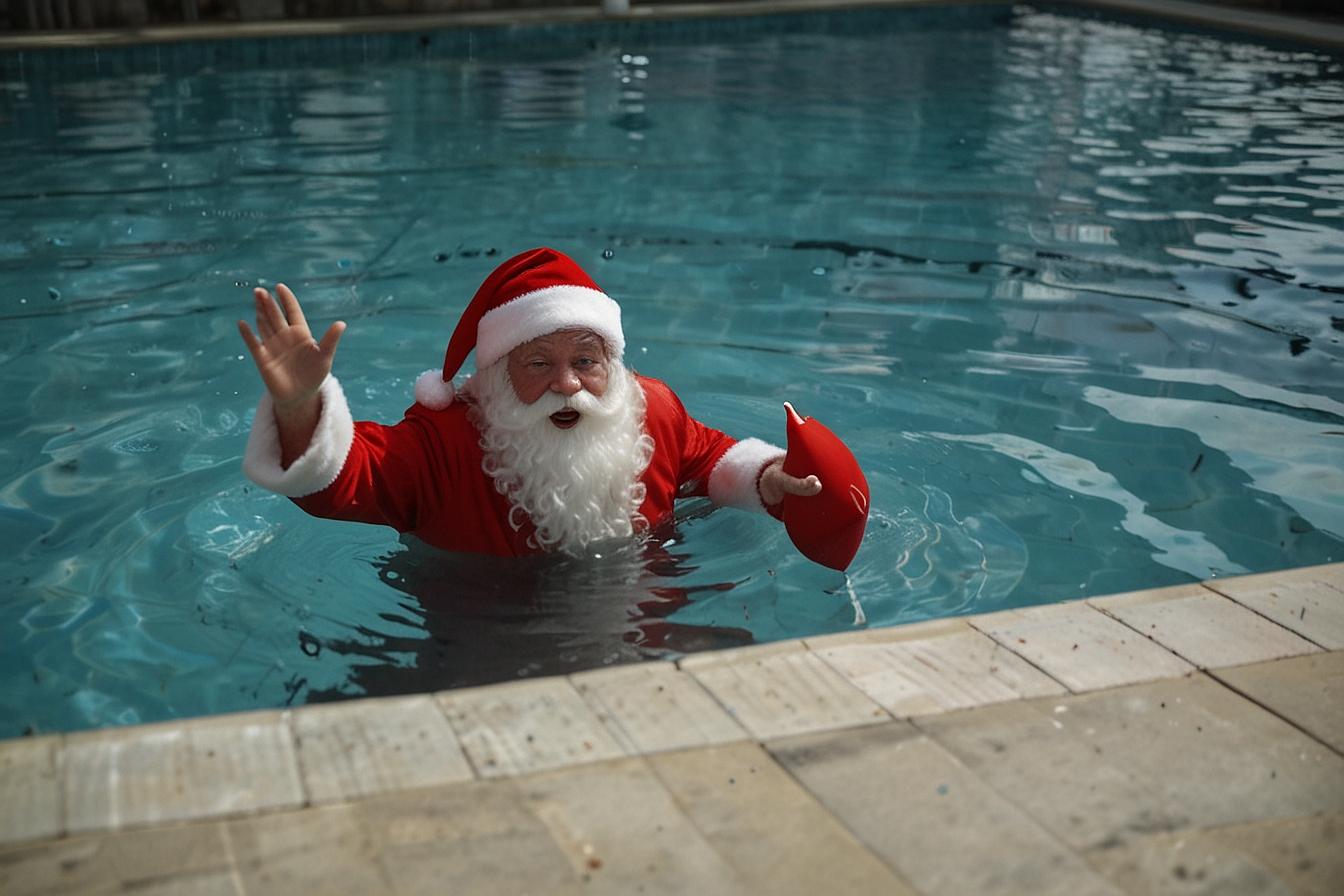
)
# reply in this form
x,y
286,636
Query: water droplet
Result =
x,y
608,254
54,293
819,271
343,263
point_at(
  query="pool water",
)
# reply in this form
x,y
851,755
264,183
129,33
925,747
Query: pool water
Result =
x,y
1072,289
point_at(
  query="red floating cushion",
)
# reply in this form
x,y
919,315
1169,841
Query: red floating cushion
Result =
x,y
827,528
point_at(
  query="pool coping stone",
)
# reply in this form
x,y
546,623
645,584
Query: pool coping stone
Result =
x,y
1265,24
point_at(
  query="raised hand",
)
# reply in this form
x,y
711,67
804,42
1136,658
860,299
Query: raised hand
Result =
x,y
292,365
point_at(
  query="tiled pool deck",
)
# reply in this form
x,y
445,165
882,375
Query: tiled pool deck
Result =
x,y
1182,740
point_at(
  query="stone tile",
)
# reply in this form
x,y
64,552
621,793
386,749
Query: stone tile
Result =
x,y
929,817
750,653
1289,856
1100,769
197,768
527,726
1190,863
783,692
320,850
777,837
624,833
1307,853
478,837
1309,601
914,670
1307,691
186,859
30,788
361,747
1080,646
649,707
1205,628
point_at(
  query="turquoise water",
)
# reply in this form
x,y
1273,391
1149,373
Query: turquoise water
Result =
x,y
1073,291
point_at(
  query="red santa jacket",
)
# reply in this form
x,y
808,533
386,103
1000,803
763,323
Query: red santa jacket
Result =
x,y
424,475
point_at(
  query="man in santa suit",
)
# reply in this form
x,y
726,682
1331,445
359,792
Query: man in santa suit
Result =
x,y
553,444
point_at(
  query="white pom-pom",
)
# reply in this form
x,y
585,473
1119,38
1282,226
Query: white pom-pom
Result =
x,y
432,392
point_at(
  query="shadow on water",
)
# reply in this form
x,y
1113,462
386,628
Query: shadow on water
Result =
x,y
471,620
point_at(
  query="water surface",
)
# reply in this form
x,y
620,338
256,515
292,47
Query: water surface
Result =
x,y
1073,291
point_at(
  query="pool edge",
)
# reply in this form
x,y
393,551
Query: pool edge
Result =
x,y
1231,19
250,764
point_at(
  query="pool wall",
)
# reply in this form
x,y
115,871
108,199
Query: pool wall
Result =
x,y
1320,24
178,49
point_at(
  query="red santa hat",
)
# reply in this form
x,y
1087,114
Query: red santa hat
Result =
x,y
530,295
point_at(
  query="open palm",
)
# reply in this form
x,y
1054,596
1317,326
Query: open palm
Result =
x,y
292,365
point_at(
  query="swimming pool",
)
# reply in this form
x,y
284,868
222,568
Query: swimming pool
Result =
x,y
1072,289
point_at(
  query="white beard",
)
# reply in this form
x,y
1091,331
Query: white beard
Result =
x,y
576,485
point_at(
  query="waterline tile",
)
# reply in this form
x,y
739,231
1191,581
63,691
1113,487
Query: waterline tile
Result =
x,y
1205,628
933,667
30,788
176,771
361,747
1080,646
1310,601
651,707
783,692
526,726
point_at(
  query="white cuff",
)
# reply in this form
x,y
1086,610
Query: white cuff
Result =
x,y
319,465
732,482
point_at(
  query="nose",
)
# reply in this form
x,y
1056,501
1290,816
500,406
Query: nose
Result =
x,y
566,383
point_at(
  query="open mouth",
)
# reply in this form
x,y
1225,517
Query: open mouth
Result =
x,y
566,418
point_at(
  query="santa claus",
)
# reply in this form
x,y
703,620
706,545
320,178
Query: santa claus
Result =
x,y
553,444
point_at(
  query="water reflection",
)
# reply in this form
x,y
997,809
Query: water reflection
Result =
x,y
468,620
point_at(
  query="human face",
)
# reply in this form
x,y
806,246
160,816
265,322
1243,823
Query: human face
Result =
x,y
565,363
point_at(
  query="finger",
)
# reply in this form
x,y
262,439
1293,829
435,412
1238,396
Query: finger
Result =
x,y
293,313
253,345
269,318
804,487
331,337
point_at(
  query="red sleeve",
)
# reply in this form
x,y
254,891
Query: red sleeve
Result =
x,y
701,448
710,463
390,476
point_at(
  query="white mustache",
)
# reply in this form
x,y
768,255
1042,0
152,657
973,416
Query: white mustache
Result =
x,y
583,401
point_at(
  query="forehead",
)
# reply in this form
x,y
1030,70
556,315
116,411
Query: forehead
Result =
x,y
561,341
